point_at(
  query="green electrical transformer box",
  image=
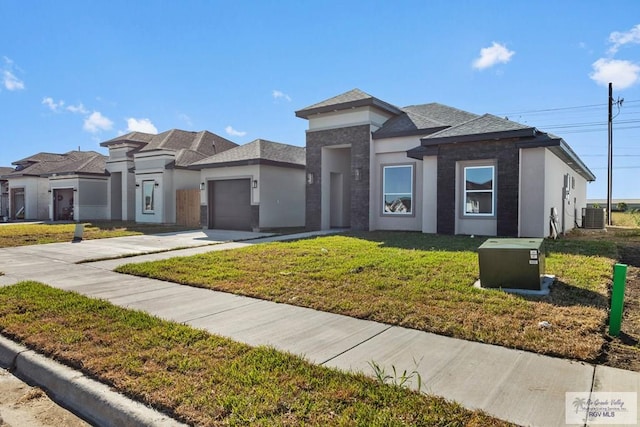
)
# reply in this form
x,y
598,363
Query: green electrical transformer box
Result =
x,y
511,263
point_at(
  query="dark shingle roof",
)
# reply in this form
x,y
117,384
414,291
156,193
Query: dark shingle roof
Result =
x,y
39,157
5,171
73,162
482,127
351,99
137,137
255,152
189,146
423,120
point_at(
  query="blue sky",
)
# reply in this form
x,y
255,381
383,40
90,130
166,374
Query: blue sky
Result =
x,y
75,73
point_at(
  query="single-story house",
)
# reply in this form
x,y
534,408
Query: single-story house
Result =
x,y
148,172
50,186
4,192
258,185
433,168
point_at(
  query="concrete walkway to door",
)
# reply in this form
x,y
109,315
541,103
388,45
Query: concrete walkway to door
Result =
x,y
518,386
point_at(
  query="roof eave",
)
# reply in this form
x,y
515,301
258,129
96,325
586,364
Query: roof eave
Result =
x,y
366,102
247,162
421,151
516,133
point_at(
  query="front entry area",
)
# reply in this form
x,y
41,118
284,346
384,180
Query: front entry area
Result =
x,y
63,204
229,204
336,187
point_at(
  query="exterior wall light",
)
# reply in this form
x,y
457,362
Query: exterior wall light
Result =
x,y
310,178
201,186
357,174
255,183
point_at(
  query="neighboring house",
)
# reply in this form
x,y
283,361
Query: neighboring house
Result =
x,y
259,185
4,192
148,172
49,186
436,169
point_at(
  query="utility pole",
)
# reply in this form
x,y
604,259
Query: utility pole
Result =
x,y
610,154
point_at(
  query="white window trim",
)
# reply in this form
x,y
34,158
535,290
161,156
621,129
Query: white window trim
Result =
x,y
492,191
411,212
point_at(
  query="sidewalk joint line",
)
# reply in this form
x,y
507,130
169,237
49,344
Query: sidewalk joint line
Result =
x,y
357,345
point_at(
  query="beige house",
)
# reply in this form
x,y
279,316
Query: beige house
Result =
x,y
49,186
433,168
256,186
147,171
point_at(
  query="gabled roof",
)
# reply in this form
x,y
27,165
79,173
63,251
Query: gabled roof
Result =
x,y
422,120
479,128
72,162
259,151
351,99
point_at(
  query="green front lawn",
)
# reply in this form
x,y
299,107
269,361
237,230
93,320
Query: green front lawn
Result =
x,y
417,281
35,234
204,379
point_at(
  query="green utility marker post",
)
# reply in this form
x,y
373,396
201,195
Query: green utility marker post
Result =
x,y
617,299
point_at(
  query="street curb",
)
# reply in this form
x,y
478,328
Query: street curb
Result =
x,y
90,399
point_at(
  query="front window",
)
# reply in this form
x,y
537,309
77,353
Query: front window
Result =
x,y
147,196
479,190
397,190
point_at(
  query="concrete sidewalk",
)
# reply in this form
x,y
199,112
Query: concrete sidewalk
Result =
x,y
517,386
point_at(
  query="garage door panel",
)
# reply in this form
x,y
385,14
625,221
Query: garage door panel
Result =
x,y
231,204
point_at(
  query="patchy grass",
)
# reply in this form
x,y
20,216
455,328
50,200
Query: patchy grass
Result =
x,y
35,234
204,379
417,281
626,219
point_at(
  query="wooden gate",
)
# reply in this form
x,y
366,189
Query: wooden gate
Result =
x,y
188,208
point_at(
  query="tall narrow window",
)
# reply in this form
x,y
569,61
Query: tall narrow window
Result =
x,y
397,190
147,196
479,190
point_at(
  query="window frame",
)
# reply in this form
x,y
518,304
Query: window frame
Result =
x,y
152,185
411,193
467,214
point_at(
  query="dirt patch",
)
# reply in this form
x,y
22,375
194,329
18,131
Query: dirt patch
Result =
x,y
624,351
23,405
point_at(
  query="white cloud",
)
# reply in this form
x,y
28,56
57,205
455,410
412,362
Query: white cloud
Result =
x,y
621,73
11,82
231,131
96,122
490,56
53,106
79,109
9,79
620,39
140,125
280,95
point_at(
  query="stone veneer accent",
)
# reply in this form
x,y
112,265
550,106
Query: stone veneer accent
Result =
x,y
359,137
507,158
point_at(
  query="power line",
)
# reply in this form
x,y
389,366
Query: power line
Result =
x,y
575,107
